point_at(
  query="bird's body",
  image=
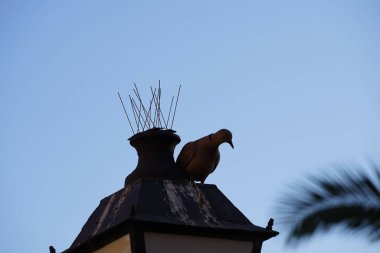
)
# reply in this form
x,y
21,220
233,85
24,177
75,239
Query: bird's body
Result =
x,y
200,158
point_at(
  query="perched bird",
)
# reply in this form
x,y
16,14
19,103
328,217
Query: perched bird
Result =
x,y
199,158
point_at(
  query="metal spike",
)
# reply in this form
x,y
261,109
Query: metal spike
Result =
x,y
170,110
126,114
134,112
175,108
141,103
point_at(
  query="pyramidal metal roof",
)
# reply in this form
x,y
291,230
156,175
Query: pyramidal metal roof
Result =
x,y
176,206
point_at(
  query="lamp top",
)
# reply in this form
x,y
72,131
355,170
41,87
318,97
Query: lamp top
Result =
x,y
167,206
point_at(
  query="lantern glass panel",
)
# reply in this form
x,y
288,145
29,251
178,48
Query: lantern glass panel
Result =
x,y
121,245
171,243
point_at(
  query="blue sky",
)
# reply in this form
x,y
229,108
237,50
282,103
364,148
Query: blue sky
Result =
x,y
297,82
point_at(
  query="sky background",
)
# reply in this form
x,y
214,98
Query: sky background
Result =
x,y
297,82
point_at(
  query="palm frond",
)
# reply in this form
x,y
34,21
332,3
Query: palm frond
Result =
x,y
343,198
354,218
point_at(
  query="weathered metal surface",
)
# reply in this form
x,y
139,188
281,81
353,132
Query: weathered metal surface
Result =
x,y
155,150
159,197
167,202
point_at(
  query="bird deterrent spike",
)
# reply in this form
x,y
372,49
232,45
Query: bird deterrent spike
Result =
x,y
150,106
135,104
150,110
155,104
159,103
175,107
134,113
146,120
140,100
161,115
138,96
143,117
156,109
158,112
140,116
141,104
170,110
144,110
138,112
137,93
126,114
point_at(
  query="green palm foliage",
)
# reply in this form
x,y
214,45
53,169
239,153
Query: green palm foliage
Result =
x,y
346,199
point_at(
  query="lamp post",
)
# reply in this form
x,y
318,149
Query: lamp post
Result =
x,y
161,210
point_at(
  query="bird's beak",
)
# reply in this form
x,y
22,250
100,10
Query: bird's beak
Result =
x,y
231,144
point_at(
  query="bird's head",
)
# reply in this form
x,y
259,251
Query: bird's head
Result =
x,y
224,135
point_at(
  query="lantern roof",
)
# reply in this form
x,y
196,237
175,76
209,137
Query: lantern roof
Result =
x,y
166,206
159,197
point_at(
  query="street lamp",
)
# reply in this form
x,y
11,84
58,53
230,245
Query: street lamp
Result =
x,y
161,210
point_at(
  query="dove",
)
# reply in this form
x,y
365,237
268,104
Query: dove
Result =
x,y
199,158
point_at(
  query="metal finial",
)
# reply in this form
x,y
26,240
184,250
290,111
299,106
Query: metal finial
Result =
x,y
51,249
270,224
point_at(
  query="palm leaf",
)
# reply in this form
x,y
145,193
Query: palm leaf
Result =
x,y
347,199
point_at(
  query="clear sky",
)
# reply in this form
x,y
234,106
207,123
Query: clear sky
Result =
x,y
297,82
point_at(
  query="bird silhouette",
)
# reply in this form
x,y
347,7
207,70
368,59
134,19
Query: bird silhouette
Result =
x,y
199,158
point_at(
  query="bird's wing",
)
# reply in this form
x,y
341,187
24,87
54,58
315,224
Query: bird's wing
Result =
x,y
185,155
217,159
